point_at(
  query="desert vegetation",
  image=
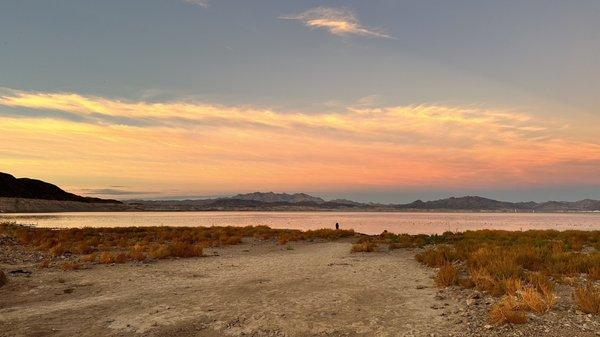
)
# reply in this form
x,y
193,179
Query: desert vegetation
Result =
x,y
521,269
120,245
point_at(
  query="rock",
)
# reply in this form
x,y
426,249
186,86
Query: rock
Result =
x,y
420,286
487,327
20,272
471,301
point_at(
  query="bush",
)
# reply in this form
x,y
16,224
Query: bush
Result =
x,y
438,256
447,276
365,247
536,301
594,272
106,258
587,298
71,266
507,311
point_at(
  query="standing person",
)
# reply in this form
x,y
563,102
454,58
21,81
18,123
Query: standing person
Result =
x,y
337,226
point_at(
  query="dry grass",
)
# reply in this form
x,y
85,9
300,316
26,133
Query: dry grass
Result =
x,y
438,257
516,266
364,247
587,298
120,245
71,266
507,311
594,273
447,276
536,301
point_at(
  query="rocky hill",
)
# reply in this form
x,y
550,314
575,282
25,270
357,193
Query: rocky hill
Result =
x,y
11,187
469,203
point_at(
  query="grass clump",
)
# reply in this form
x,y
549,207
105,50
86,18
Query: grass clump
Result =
x,y
71,266
364,247
587,298
447,276
507,311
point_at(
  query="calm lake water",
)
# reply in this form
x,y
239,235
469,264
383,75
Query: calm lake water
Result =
x,y
364,222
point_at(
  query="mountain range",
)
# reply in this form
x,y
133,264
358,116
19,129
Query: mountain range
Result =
x,y
300,201
12,190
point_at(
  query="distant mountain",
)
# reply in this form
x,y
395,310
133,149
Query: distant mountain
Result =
x,y
259,201
278,197
469,203
11,187
565,206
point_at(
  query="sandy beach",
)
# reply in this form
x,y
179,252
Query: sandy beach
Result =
x,y
253,289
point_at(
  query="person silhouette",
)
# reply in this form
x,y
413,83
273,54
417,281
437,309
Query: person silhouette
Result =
x,y
337,225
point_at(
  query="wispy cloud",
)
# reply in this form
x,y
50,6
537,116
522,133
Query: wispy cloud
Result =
x,y
199,147
201,3
113,191
338,21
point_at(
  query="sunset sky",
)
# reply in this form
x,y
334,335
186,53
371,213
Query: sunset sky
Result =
x,y
381,100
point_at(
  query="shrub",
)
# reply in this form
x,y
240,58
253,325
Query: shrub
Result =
x,y
512,286
136,256
507,311
89,258
366,247
594,272
283,239
57,250
120,258
71,266
106,258
536,301
438,256
482,280
447,276
587,298
184,249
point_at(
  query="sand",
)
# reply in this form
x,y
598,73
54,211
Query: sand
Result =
x,y
263,289
257,289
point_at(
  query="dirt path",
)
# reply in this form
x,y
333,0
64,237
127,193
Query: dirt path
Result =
x,y
248,290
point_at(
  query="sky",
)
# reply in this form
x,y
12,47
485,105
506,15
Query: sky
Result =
x,y
381,100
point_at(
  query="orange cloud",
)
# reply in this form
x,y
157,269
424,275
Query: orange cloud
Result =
x,y
191,147
338,21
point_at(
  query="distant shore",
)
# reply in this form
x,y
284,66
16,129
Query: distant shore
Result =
x,y
23,205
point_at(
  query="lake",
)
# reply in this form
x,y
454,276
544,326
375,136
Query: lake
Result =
x,y
364,222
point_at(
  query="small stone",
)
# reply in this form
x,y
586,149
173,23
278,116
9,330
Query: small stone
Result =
x,y
487,327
